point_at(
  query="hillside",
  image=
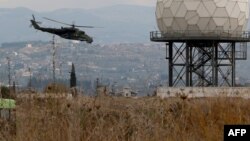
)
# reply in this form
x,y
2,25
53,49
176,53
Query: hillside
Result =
x,y
121,23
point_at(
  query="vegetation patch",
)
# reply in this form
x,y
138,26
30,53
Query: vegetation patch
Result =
x,y
117,118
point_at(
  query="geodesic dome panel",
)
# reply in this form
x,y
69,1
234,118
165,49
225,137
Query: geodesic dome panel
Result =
x,y
206,17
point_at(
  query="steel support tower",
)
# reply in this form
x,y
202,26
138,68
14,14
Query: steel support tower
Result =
x,y
206,61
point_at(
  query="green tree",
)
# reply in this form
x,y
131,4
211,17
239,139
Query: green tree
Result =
x,y
5,91
72,77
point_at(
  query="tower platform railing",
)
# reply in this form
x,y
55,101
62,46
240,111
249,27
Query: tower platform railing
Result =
x,y
181,35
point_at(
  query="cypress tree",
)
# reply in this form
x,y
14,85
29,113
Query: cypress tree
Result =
x,y
72,77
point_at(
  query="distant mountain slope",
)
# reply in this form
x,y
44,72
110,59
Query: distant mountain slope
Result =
x,y
122,23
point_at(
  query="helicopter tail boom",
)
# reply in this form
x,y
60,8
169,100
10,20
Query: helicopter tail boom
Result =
x,y
34,24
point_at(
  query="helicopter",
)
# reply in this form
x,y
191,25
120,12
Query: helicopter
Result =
x,y
71,33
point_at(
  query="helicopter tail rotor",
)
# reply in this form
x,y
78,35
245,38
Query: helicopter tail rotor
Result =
x,y
35,23
33,17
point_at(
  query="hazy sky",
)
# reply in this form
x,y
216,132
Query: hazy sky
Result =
x,y
47,5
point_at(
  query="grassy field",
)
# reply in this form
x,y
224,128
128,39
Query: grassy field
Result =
x,y
123,119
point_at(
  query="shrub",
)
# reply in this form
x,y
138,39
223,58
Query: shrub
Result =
x,y
56,88
5,91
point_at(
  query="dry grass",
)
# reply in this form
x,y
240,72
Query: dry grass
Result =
x,y
124,119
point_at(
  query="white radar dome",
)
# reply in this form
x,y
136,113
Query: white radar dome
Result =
x,y
206,17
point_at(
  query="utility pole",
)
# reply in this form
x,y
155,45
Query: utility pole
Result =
x,y
14,87
53,59
30,78
97,83
9,77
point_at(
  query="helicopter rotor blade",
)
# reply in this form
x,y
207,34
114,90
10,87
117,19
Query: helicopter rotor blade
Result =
x,y
84,26
88,26
57,21
73,24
